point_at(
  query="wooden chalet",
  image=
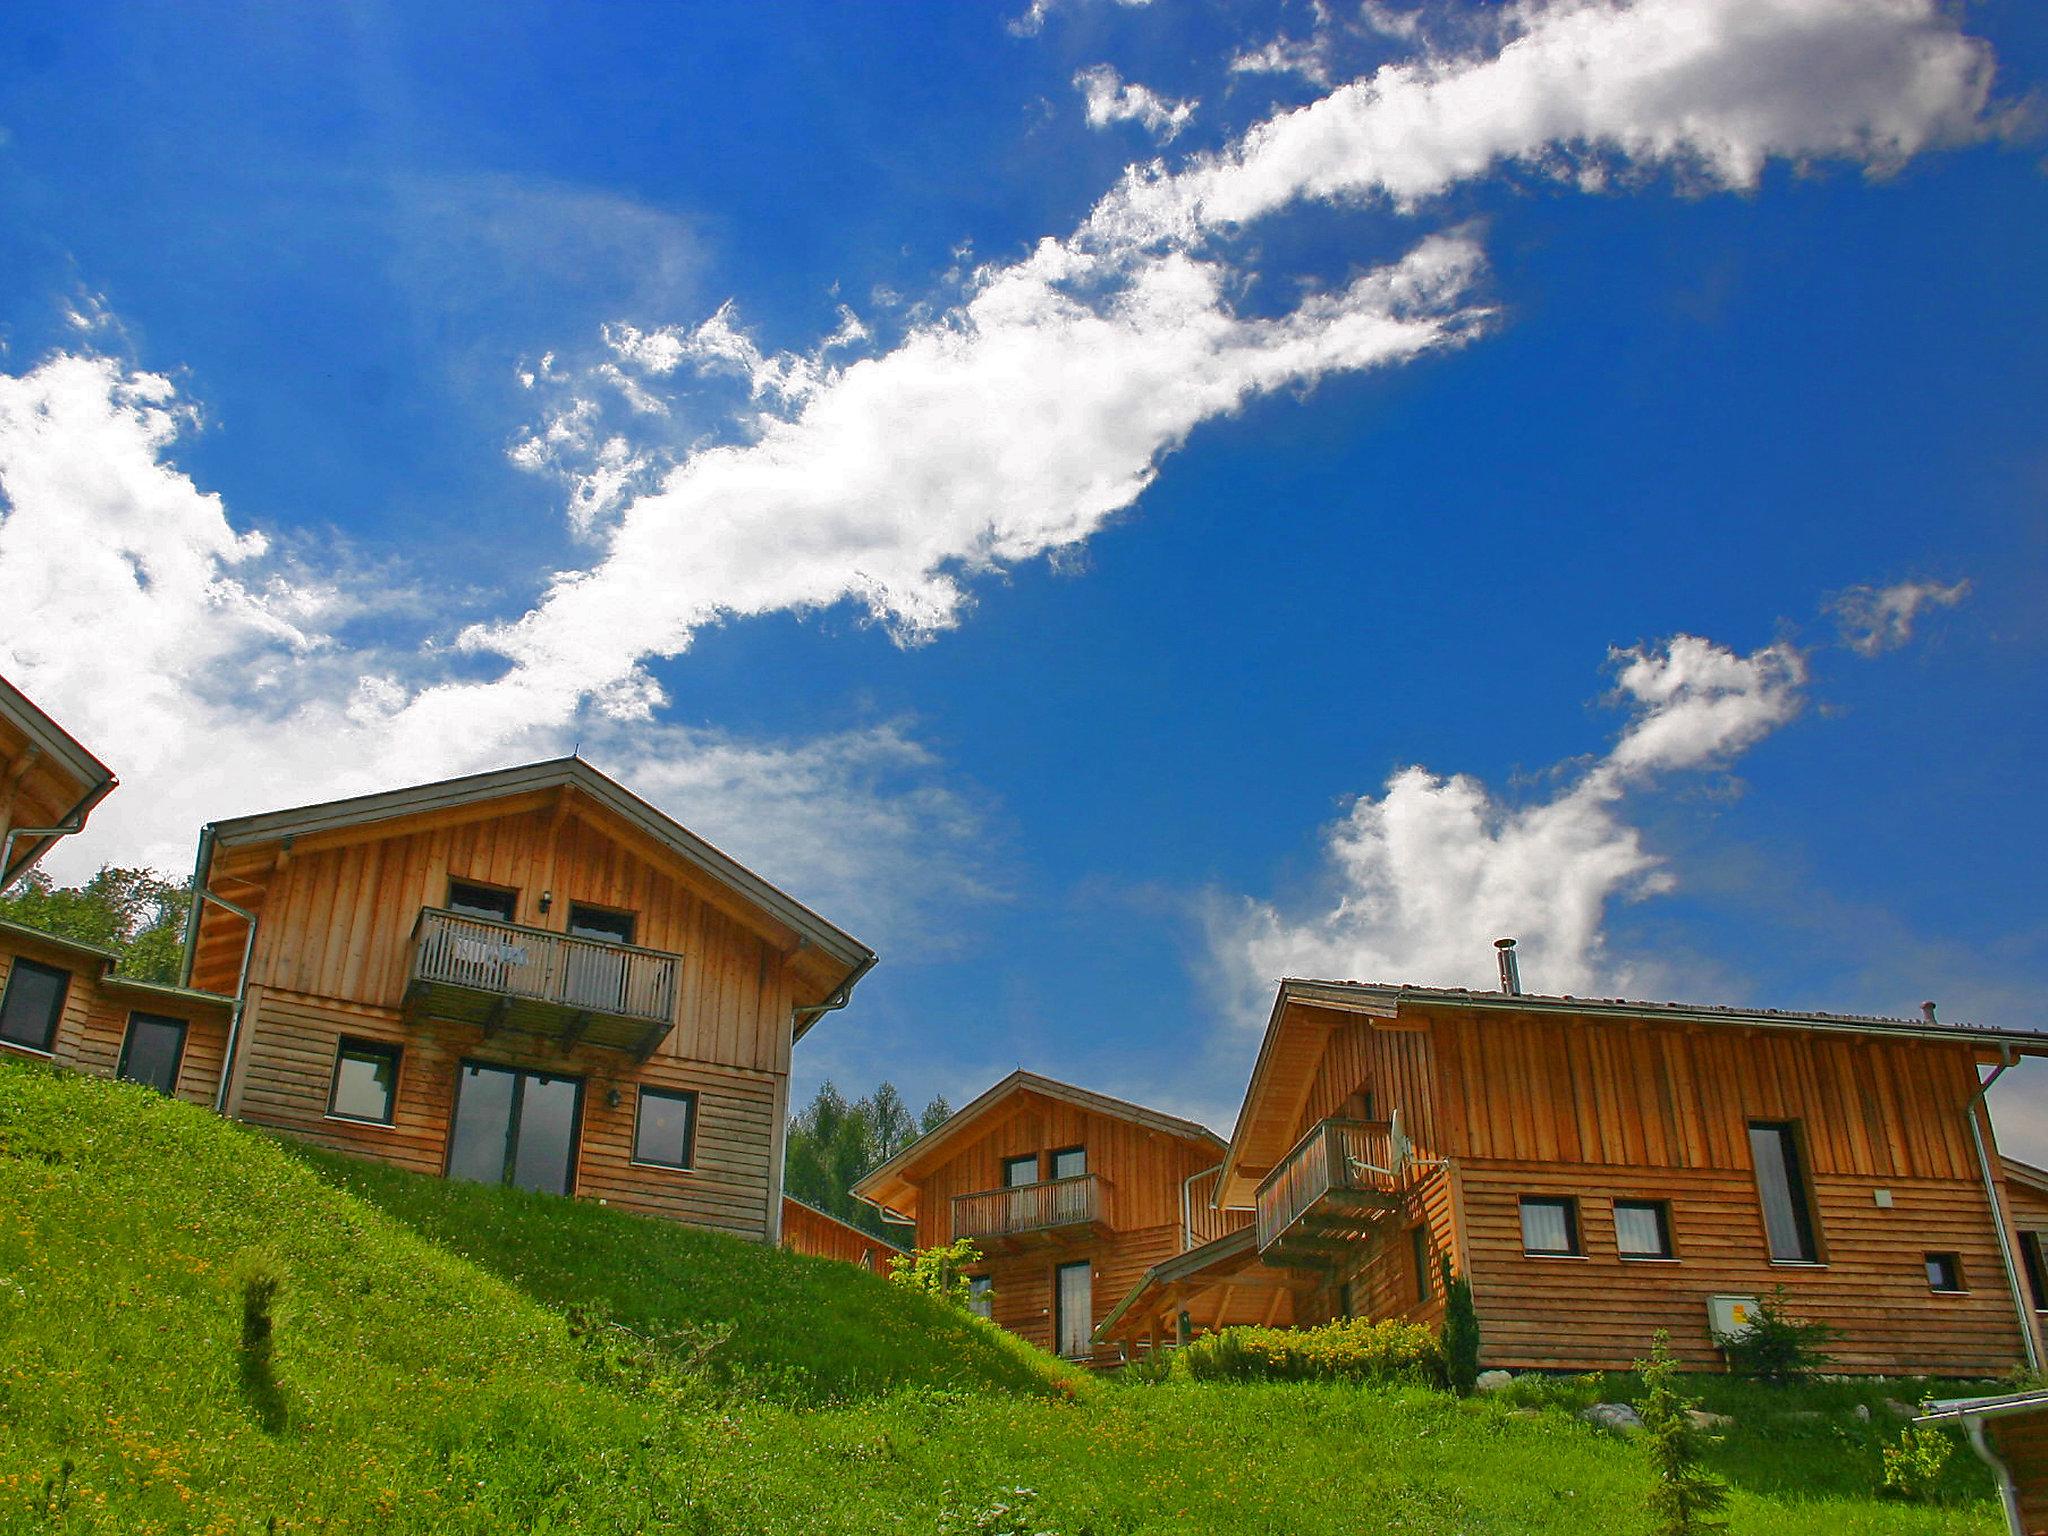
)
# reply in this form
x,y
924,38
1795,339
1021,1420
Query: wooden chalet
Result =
x,y
1601,1169
49,784
806,1229
529,976
60,1000
1070,1196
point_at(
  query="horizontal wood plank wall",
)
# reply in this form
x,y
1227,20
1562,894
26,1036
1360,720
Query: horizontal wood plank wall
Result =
x,y
288,1070
95,1022
805,1230
1392,1065
1023,1282
337,923
1382,1278
2029,1206
1599,1311
1141,1169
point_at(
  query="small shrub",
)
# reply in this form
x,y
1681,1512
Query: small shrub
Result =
x,y
1913,1467
1350,1350
938,1272
1685,1496
1459,1339
1779,1347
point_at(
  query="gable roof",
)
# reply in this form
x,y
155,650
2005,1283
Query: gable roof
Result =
x,y
852,957
887,1185
1288,1038
60,779
2018,1172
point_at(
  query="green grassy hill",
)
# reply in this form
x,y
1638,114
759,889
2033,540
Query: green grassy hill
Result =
x,y
456,1359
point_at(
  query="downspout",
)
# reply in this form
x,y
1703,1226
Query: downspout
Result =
x,y
839,998
1187,1211
73,821
2008,1495
201,895
2012,1276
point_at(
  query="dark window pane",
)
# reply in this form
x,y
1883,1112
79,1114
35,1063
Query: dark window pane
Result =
x,y
1781,1187
1642,1228
154,1048
483,1124
1070,1163
1074,1303
2035,1254
481,901
980,1296
365,1082
1548,1227
32,1005
547,1133
662,1133
1418,1240
1944,1272
595,923
1019,1170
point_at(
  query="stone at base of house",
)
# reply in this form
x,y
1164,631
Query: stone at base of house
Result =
x,y
1491,1381
1618,1417
1703,1419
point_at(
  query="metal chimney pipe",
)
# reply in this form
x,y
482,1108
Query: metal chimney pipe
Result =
x,y
1510,971
1928,1010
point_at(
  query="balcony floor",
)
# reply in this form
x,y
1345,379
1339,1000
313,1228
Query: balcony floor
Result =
x,y
558,1023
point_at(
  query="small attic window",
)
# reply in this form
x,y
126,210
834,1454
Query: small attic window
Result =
x,y
486,901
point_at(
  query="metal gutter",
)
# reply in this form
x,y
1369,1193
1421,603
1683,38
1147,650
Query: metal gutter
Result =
x,y
840,997
72,822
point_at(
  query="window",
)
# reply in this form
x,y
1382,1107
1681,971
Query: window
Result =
x,y
1074,1309
981,1296
1418,1257
2034,1253
665,1129
365,1082
1550,1226
1020,1170
32,1005
597,923
1782,1189
1070,1162
1642,1229
514,1127
487,901
153,1051
1944,1272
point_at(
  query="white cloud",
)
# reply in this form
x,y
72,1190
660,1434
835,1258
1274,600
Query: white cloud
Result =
x,y
1033,20
1108,98
1309,60
1878,619
1423,878
213,677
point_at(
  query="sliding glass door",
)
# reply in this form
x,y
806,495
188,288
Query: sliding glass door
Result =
x,y
515,1127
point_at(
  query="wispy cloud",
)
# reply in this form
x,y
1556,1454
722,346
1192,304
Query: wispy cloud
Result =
x,y
1874,620
1034,17
1421,879
1108,98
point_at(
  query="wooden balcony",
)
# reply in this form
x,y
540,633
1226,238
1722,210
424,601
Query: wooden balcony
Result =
x,y
1050,1211
1330,1193
528,981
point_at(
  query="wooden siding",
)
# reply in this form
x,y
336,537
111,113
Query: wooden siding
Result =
x,y
336,921
806,1229
94,1024
1023,1282
286,1069
1365,1056
1381,1279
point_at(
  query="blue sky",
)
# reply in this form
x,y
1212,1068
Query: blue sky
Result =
x,y
1109,503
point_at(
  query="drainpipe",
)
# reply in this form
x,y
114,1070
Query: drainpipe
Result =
x,y
1187,1211
201,895
2008,1495
2012,1276
72,822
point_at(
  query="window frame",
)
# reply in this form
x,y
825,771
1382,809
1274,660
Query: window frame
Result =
x,y
696,1102
1799,1194
56,1020
365,1047
1573,1233
1950,1261
598,909
509,891
2034,1259
981,1296
136,1015
1052,1162
1666,1235
1418,1254
1059,1310
1022,1157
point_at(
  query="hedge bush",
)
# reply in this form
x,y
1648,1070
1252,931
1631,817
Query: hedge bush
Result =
x,y
1352,1350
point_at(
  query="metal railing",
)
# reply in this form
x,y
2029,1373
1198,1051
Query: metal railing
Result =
x,y
1335,1156
1201,1222
586,975
1028,1207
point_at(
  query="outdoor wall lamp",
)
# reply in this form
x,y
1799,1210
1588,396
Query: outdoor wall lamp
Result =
x,y
547,899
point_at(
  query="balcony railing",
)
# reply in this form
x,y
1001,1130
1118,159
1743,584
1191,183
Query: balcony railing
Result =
x,y
1201,1221
1341,1170
503,976
1022,1208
